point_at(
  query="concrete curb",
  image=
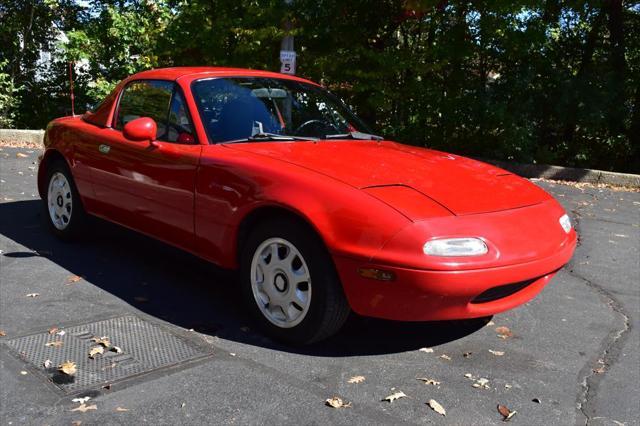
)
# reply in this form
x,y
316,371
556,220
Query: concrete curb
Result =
x,y
569,173
26,137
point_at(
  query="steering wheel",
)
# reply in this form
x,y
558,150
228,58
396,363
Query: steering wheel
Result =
x,y
313,121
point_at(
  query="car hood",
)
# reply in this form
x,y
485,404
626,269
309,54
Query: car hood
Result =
x,y
461,185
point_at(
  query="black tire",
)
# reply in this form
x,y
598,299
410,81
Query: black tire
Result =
x,y
328,308
76,218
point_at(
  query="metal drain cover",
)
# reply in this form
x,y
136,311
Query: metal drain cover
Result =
x,y
145,347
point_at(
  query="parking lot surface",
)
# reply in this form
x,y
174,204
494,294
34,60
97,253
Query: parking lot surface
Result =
x,y
571,355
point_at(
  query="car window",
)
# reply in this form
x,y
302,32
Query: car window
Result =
x,y
236,108
145,98
179,126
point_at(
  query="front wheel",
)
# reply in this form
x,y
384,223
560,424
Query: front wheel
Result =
x,y
290,284
63,208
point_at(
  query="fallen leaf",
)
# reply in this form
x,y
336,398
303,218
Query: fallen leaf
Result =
x,y
467,354
536,400
53,330
506,413
490,323
428,381
427,350
232,353
336,402
21,155
84,408
445,356
61,333
504,332
120,409
81,400
76,423
107,386
2,333
73,279
496,353
356,379
481,383
507,386
47,363
55,344
96,350
24,373
102,341
33,295
468,376
183,405
68,368
435,406
116,349
394,396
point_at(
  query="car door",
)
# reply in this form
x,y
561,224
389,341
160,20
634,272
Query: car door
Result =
x,y
149,186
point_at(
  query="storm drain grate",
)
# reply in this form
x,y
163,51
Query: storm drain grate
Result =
x,y
145,347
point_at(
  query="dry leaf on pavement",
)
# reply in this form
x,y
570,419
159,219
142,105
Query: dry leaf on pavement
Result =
x,y
33,295
427,350
336,402
428,381
356,379
504,332
76,423
73,279
120,409
96,350
84,408
47,363
2,333
496,353
68,368
446,357
482,383
116,349
81,400
394,396
435,406
21,155
53,330
102,341
506,413
467,354
54,344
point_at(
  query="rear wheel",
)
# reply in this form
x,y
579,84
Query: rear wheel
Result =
x,y
63,208
290,284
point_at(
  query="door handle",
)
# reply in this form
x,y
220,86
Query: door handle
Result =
x,y
104,149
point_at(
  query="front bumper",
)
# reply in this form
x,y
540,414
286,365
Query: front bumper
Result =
x,y
426,295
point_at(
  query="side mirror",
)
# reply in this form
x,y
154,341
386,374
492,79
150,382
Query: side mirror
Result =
x,y
186,138
141,129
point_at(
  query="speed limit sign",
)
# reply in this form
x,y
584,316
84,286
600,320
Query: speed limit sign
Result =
x,y
288,61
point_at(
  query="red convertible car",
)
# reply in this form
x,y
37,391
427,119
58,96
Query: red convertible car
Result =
x,y
274,176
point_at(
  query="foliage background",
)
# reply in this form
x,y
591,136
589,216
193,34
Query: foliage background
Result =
x,y
554,81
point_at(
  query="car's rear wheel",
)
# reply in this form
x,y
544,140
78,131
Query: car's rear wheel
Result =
x,y
63,208
290,283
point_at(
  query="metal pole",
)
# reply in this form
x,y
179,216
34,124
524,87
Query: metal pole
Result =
x,y
288,65
73,106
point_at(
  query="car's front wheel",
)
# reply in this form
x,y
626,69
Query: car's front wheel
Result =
x,y
290,283
63,207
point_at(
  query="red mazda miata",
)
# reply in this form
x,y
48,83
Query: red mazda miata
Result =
x,y
274,176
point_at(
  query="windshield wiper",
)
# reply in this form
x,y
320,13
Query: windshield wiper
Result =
x,y
355,135
266,137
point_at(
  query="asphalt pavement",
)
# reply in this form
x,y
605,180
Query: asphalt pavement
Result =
x,y
571,355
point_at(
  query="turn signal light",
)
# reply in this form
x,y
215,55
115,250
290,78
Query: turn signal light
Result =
x,y
376,274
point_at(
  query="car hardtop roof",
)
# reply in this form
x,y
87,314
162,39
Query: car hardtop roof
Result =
x,y
194,73
103,115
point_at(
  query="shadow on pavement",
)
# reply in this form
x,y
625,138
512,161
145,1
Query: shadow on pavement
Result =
x,y
181,289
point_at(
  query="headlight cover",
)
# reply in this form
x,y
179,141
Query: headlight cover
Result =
x,y
450,247
565,222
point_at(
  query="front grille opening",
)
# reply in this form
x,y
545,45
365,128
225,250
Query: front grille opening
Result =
x,y
499,292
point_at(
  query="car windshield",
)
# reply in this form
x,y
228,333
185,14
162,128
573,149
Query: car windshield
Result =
x,y
243,109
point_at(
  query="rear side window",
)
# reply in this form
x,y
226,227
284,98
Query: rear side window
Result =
x,y
145,98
